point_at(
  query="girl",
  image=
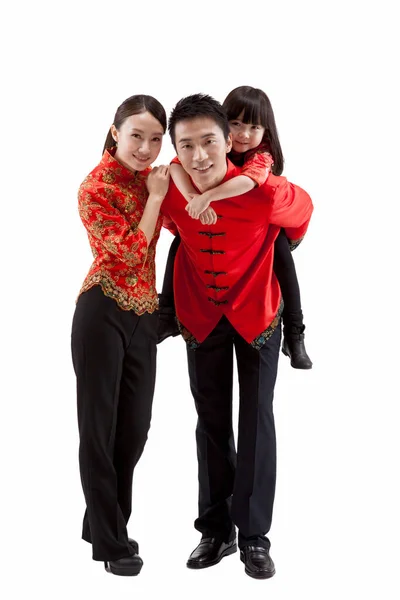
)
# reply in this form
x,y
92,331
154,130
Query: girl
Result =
x,y
255,147
114,326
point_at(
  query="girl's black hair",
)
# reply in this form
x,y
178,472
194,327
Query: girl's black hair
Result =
x,y
256,109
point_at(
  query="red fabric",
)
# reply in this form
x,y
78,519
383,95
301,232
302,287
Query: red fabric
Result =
x,y
257,167
111,202
248,226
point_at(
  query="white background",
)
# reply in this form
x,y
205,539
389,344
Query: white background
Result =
x,y
330,70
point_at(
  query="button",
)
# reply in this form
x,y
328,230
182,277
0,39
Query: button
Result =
x,y
217,288
211,234
216,273
217,302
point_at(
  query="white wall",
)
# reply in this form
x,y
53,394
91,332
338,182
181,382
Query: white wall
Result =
x,y
330,71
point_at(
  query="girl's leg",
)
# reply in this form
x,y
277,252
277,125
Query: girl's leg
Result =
x,y
285,270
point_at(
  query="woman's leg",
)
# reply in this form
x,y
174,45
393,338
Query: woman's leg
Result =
x,y
285,270
135,404
100,334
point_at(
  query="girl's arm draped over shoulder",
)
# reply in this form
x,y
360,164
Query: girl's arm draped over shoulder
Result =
x,y
186,188
258,167
182,180
254,173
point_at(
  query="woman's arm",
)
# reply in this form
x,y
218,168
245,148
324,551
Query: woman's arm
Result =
x,y
128,242
157,184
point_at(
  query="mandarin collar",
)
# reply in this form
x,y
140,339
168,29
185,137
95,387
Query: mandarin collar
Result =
x,y
122,173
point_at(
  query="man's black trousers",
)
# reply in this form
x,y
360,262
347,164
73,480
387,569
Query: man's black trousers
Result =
x,y
235,488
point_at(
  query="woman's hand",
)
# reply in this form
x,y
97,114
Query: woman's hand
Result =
x,y
157,183
208,217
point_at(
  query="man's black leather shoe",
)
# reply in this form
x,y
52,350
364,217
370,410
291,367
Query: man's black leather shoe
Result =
x,y
129,566
257,562
293,347
209,552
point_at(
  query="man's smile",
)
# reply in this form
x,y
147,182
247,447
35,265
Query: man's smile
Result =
x,y
202,169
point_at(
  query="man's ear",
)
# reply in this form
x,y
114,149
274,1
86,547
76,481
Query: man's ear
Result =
x,y
114,133
229,143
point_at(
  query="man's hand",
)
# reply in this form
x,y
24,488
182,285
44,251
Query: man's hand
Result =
x,y
208,217
197,204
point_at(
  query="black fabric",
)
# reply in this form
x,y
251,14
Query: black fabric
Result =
x,y
168,283
234,487
285,272
114,357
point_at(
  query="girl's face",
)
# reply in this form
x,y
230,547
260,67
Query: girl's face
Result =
x,y
138,141
245,136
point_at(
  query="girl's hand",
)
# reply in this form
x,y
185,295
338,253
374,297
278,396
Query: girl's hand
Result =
x,y
157,183
208,217
197,204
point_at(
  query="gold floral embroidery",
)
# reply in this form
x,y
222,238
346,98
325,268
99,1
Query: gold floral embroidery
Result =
x,y
131,281
141,304
111,204
108,176
260,340
189,338
294,243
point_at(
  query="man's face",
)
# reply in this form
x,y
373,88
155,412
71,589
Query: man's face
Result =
x,y
202,150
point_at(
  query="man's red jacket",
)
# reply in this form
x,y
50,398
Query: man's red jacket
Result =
x,y
227,268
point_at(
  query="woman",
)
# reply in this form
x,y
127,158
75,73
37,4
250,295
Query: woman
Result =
x,y
114,327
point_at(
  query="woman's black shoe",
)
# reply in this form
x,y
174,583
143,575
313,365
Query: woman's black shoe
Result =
x,y
293,347
129,566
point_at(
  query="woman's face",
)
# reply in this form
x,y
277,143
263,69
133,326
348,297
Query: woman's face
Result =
x,y
138,140
245,136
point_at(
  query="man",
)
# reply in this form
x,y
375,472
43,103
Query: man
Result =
x,y
227,297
